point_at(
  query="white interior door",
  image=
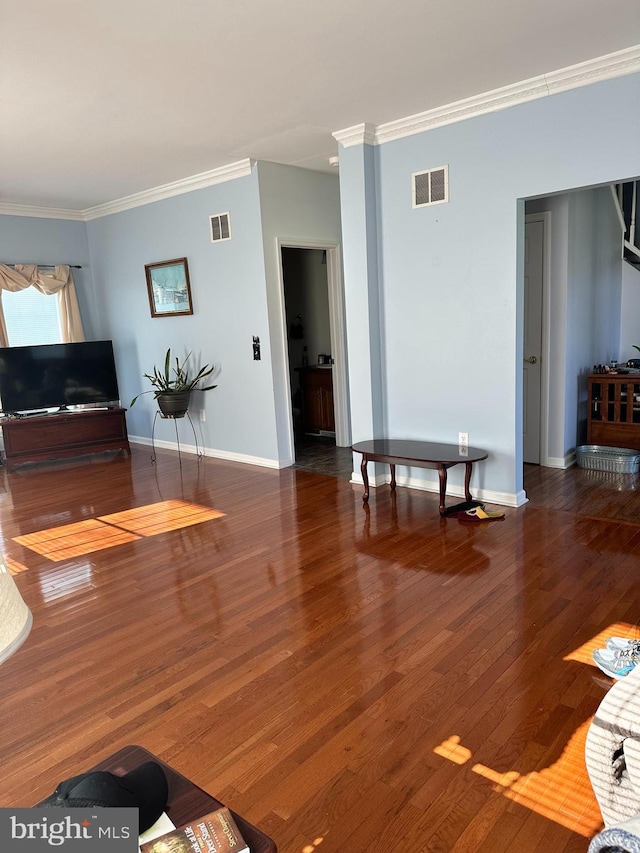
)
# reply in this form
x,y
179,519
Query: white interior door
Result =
x,y
532,347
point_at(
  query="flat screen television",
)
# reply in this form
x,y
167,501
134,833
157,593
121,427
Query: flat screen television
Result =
x,y
49,376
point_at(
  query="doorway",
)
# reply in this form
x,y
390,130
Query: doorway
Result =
x,y
583,293
306,300
315,348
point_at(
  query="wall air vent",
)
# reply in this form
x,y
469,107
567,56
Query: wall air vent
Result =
x,y
220,227
430,187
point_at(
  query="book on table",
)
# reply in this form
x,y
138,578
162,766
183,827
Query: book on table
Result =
x,y
216,832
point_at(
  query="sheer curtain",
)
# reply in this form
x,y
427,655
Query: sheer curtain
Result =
x,y
60,283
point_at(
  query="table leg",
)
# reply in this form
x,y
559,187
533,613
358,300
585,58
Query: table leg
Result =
x,y
366,530
393,477
365,478
442,474
467,479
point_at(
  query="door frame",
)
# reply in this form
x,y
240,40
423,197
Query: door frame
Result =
x,y
337,329
545,355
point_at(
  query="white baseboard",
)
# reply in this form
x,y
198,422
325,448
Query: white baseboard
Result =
x,y
485,495
500,498
208,451
560,461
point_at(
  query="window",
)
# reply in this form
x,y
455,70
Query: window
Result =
x,y
31,317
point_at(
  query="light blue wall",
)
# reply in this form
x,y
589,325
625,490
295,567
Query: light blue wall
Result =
x,y
450,276
365,323
230,307
54,241
297,206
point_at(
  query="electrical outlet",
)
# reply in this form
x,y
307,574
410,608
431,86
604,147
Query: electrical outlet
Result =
x,y
463,439
203,415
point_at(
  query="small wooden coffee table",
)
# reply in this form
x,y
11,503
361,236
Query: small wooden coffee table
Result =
x,y
421,454
186,800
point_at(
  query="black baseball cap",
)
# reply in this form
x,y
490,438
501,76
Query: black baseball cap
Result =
x,y
144,788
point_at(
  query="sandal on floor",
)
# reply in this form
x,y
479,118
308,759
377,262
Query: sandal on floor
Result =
x,y
454,511
478,514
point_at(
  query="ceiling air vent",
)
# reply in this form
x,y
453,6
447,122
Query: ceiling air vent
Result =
x,y
220,227
430,187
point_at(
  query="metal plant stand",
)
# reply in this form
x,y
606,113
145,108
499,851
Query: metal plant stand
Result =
x,y
175,420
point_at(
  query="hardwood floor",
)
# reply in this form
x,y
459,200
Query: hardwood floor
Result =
x,y
347,679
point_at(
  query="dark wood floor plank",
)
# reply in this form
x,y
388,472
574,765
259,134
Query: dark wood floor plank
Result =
x,y
348,677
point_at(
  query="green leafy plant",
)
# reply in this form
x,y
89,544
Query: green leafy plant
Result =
x,y
175,379
636,347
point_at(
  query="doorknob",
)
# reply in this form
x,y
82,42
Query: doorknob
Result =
x,y
532,359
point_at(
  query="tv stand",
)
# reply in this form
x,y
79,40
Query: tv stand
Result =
x,y
63,435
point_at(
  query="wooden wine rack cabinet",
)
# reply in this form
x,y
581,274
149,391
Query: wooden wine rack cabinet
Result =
x,y
614,410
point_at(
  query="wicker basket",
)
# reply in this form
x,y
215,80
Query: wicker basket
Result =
x,y
616,460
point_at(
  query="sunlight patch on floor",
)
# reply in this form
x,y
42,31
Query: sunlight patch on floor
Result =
x,y
453,751
85,537
561,792
74,540
584,653
161,517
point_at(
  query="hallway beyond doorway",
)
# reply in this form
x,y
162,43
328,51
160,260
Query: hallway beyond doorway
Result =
x,y
321,455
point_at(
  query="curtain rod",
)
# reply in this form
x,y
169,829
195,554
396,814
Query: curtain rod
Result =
x,y
43,266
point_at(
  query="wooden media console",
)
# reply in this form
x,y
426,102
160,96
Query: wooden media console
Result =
x,y
63,435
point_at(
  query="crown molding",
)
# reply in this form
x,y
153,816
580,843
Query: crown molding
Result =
x,y
40,212
359,134
230,172
607,67
488,102
239,169
595,70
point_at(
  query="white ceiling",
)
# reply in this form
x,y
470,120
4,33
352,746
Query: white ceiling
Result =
x,y
105,98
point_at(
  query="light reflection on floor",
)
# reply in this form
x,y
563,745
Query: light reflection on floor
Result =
x,y
59,582
14,566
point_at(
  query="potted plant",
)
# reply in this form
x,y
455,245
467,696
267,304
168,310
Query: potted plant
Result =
x,y
172,386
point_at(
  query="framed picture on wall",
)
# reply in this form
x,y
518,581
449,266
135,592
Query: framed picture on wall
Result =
x,y
169,288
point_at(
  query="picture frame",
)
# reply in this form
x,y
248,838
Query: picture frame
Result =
x,y
169,288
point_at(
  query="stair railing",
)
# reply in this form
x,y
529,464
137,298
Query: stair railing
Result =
x,y
626,207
